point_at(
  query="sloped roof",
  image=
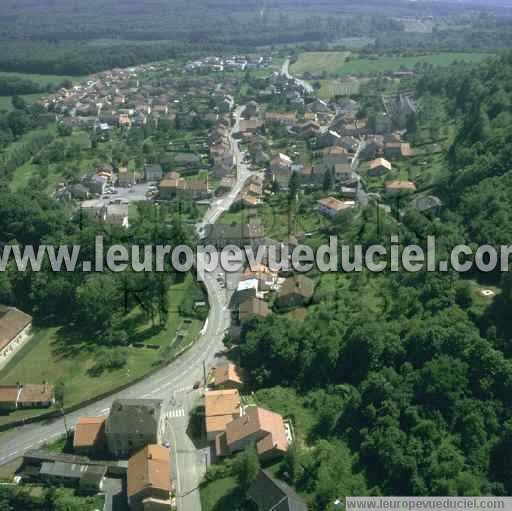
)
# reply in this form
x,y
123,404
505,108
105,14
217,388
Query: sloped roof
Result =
x,y
12,323
335,204
33,393
149,468
8,393
253,307
220,408
259,420
134,416
89,431
380,162
400,185
271,494
227,373
298,284
230,232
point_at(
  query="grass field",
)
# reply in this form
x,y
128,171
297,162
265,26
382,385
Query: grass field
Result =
x,y
23,173
220,495
355,43
57,354
331,88
335,64
44,79
6,101
318,62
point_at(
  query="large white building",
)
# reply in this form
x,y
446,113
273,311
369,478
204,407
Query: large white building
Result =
x,y
15,330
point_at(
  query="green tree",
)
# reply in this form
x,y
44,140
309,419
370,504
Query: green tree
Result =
x,y
293,185
18,103
98,298
247,468
291,467
327,184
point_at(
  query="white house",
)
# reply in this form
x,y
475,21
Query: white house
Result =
x,y
15,332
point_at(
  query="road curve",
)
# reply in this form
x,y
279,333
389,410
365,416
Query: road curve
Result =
x,y
181,373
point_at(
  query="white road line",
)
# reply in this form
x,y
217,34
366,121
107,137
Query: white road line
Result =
x,y
178,476
188,365
176,413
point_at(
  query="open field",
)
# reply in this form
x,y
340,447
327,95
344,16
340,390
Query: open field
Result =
x,y
335,64
355,43
6,101
69,358
44,79
318,62
330,88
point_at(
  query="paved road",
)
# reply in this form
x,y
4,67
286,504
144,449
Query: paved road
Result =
x,y
285,71
173,383
362,196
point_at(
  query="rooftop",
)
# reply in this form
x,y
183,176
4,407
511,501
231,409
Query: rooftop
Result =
x,y
270,493
259,420
12,323
401,185
134,416
149,468
89,431
335,204
380,162
220,408
227,373
31,393
298,284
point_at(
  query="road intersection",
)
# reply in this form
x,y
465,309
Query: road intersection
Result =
x,y
173,383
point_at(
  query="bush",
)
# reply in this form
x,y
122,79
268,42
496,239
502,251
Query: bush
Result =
x,y
193,293
221,470
109,360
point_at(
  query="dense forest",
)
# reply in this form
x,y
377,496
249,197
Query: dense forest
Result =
x,y
96,303
76,38
54,499
408,377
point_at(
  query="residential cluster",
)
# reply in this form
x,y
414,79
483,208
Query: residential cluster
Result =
x,y
123,455
232,63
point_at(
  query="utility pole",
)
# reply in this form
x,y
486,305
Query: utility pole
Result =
x,y
204,373
65,422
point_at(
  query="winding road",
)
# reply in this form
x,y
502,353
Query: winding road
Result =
x,y
173,383
285,71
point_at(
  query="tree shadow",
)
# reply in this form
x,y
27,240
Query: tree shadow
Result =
x,y
70,341
196,428
235,500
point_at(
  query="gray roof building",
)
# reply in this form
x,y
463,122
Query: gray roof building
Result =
x,y
133,424
270,494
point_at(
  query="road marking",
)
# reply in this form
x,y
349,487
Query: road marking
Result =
x,y
192,363
176,413
178,476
